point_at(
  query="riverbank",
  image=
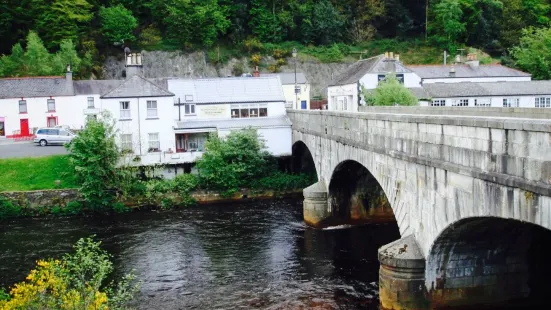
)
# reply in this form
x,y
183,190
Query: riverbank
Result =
x,y
28,174
70,201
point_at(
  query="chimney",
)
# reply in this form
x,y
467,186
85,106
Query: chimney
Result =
x,y
256,73
457,58
68,74
391,55
397,57
452,71
386,54
134,65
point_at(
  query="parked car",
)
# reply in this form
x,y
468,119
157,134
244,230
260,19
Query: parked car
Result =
x,y
45,136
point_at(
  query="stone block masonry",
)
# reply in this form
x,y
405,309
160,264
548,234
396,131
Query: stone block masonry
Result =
x,y
439,170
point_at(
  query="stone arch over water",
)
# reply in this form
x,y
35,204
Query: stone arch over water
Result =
x,y
302,160
490,261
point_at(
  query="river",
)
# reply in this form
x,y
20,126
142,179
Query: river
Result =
x,y
242,256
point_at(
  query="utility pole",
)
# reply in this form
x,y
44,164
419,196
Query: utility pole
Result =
x,y
296,89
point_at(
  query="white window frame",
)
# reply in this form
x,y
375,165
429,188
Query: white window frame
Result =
x,y
190,108
345,104
154,143
23,103
152,109
543,102
483,102
263,106
460,102
511,102
125,110
126,142
52,103
438,103
91,100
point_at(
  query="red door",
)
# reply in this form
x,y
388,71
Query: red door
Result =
x,y
24,126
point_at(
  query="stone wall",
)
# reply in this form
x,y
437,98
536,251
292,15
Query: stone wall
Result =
x,y
532,113
159,64
43,198
436,171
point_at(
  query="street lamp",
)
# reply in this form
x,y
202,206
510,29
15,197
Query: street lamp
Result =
x,y
296,89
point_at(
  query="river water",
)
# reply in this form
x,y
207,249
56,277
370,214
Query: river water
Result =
x,y
242,256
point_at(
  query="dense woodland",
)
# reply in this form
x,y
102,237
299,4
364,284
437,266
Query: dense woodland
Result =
x,y
100,27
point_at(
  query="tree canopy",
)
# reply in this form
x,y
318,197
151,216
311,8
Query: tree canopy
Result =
x,y
389,92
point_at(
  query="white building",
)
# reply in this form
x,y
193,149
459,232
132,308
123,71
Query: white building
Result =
x,y
299,100
344,93
222,105
154,125
470,71
526,94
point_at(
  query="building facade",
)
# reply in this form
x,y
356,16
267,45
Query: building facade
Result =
x,y
295,98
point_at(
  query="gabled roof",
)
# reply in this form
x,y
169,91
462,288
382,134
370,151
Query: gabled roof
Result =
x,y
27,87
135,87
466,71
377,64
469,89
288,78
95,87
228,90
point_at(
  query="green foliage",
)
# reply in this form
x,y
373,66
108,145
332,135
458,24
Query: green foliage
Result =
x,y
119,207
448,26
534,52
117,24
324,25
24,174
185,183
72,208
4,295
234,161
280,181
94,156
8,208
77,281
389,92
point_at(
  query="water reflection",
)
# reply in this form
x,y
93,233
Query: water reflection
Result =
x,y
251,256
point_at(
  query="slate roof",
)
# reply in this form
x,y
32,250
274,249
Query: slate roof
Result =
x,y
377,64
27,87
465,71
229,90
288,78
137,86
235,123
420,93
469,89
95,87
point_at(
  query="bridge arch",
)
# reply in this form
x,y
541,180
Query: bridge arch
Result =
x,y
302,159
355,195
489,260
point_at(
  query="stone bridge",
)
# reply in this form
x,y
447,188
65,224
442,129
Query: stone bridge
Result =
x,y
471,196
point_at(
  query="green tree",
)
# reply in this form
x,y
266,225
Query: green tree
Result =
x,y
234,161
63,19
325,25
12,65
389,92
94,156
67,55
533,53
117,24
448,26
37,60
195,21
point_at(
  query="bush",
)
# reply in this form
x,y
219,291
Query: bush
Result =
x,y
74,282
185,183
72,208
252,45
9,208
233,162
119,207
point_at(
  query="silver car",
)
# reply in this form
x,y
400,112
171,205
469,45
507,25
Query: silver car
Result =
x,y
45,136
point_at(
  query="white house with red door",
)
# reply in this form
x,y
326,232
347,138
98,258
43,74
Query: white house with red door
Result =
x,y
158,121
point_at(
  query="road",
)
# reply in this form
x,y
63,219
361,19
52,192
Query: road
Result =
x,y
29,149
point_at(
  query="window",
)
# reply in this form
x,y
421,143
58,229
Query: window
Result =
x,y
151,109
460,103
438,103
90,102
244,111
51,121
484,102
345,104
263,110
189,108
511,102
51,105
126,142
254,111
22,106
125,110
192,144
543,102
234,111
154,143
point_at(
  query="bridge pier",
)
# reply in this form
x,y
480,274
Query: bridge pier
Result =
x,y
315,207
402,276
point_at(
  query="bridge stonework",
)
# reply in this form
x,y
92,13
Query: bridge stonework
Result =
x,y
436,171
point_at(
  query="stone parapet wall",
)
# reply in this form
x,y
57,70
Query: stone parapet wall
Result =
x,y
532,113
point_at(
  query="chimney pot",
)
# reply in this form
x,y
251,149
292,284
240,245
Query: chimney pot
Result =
x,y
452,71
256,73
391,54
386,54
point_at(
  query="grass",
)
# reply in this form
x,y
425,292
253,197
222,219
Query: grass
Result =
x,y
24,174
